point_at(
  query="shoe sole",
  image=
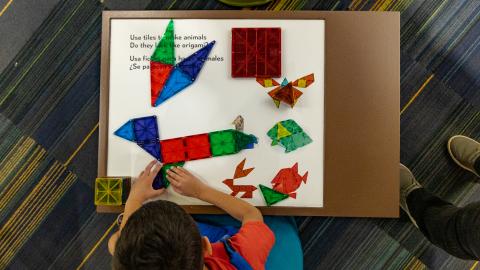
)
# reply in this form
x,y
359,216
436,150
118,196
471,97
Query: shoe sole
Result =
x,y
453,157
403,208
409,216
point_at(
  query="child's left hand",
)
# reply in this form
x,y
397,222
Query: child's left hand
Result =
x,y
142,189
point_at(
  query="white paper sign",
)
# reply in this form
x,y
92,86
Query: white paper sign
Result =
x,y
213,101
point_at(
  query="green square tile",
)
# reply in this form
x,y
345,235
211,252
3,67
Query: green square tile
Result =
x,y
223,149
221,137
222,142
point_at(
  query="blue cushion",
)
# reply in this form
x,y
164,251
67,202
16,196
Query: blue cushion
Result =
x,y
286,239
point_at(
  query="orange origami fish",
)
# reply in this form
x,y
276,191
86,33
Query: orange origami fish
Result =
x,y
287,181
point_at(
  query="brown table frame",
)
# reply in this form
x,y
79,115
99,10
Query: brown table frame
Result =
x,y
362,115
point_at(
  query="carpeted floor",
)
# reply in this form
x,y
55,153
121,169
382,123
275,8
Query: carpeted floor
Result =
x,y
49,87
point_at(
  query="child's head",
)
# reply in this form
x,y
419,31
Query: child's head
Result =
x,y
159,235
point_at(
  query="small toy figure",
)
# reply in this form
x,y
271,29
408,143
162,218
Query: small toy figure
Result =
x,y
239,123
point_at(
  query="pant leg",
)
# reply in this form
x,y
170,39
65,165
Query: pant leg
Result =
x,y
454,229
476,165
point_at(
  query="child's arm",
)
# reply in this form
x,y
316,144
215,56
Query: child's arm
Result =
x,y
140,192
187,184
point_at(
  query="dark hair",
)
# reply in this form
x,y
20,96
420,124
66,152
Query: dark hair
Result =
x,y
159,235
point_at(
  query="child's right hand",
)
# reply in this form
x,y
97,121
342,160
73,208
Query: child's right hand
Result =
x,y
142,188
185,183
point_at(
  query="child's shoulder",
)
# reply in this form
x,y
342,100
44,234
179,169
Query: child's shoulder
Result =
x,y
256,226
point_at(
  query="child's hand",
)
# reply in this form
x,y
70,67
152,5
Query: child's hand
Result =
x,y
185,183
142,189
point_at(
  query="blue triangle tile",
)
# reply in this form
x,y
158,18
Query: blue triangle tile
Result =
x,y
153,148
284,82
145,128
177,81
194,63
126,131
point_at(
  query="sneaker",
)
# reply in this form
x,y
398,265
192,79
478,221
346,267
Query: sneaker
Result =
x,y
408,183
464,151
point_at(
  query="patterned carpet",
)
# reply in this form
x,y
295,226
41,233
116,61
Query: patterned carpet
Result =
x,y
49,90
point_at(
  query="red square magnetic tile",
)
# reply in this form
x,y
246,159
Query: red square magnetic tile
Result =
x,y
197,140
198,146
172,145
199,152
256,52
176,156
173,150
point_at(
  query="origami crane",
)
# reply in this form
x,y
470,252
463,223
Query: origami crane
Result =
x,y
168,78
144,132
286,91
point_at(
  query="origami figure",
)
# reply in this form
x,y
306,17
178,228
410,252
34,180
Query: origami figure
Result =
x,y
144,132
168,78
240,173
285,183
286,91
289,134
239,123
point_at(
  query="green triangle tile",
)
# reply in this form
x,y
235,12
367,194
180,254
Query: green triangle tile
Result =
x,y
165,51
271,196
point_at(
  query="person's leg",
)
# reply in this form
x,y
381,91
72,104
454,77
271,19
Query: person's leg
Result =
x,y
455,229
476,165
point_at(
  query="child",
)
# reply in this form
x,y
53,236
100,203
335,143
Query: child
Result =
x,y
161,235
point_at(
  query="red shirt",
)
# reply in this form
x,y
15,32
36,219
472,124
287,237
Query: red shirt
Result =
x,y
253,241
